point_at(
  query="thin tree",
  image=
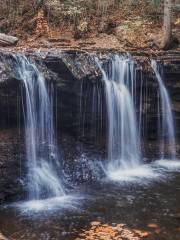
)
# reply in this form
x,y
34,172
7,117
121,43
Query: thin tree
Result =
x,y
167,26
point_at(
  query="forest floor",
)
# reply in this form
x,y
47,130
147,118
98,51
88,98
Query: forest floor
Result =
x,y
123,30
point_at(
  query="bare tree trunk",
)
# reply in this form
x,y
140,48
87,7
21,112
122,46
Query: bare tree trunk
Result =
x,y
167,27
6,40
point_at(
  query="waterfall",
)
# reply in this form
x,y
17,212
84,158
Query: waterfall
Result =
x,y
123,137
166,126
41,148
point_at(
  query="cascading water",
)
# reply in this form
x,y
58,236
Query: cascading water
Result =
x,y
166,126
123,137
41,147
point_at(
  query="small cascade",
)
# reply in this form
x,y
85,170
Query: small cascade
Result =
x,y
41,148
123,135
166,123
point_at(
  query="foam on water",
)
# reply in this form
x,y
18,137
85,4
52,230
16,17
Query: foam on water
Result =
x,y
173,165
145,173
136,174
50,204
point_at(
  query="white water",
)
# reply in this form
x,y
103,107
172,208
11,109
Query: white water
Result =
x,y
41,148
166,128
124,154
173,165
140,172
50,204
123,137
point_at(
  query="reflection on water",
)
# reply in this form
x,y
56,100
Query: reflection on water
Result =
x,y
126,210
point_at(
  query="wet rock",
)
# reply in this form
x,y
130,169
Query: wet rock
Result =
x,y
70,65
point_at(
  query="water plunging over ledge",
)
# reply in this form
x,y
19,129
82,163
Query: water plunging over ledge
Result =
x,y
124,152
125,160
166,124
41,148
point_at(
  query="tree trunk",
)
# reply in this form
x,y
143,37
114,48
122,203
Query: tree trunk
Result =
x,y
6,40
167,27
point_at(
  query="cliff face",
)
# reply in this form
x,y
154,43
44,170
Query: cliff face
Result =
x,y
78,94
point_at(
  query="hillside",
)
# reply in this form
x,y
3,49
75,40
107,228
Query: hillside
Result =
x,y
102,24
